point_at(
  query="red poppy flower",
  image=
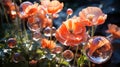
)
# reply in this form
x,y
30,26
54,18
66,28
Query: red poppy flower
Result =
x,y
71,33
49,44
92,16
114,30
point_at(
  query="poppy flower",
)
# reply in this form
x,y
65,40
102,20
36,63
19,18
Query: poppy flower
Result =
x,y
28,9
53,6
11,8
49,44
92,16
7,2
71,33
114,30
98,47
34,23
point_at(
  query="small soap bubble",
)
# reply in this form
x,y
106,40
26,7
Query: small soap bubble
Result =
x,y
68,55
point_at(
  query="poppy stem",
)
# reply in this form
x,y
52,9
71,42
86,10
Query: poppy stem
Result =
x,y
75,55
6,16
67,17
92,31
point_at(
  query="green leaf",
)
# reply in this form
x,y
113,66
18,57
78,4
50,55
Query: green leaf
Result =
x,y
64,62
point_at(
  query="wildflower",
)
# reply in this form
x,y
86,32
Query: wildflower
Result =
x,y
97,42
7,2
71,33
11,8
98,49
49,44
92,16
34,23
53,6
11,42
68,55
114,30
28,9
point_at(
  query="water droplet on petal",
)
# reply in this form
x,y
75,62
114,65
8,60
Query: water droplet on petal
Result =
x,y
98,49
68,55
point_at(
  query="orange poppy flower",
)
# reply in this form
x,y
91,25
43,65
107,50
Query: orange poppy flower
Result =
x,y
49,44
92,16
97,42
28,9
71,33
12,10
7,2
34,23
52,6
114,30
98,49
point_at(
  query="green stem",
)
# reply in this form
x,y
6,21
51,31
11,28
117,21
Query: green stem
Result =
x,y
76,54
67,17
92,32
5,14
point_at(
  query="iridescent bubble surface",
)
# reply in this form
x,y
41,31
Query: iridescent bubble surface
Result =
x,y
98,49
49,31
68,55
36,36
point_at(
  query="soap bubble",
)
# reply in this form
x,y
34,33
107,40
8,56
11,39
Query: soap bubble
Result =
x,y
98,49
49,31
36,36
68,55
12,42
